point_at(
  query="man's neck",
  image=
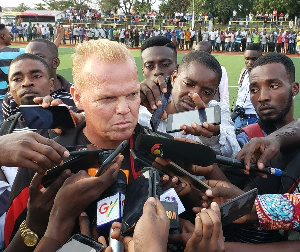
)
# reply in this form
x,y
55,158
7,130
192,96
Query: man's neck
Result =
x,y
57,83
100,143
284,122
2,45
270,127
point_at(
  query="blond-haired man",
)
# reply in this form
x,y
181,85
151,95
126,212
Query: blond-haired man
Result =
x,y
106,88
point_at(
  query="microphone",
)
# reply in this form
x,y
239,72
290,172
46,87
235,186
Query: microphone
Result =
x,y
192,153
253,167
176,150
110,205
116,245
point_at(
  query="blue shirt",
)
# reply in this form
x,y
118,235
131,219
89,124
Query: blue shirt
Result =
x,y
7,54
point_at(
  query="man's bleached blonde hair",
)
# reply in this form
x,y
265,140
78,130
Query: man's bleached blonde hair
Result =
x,y
104,50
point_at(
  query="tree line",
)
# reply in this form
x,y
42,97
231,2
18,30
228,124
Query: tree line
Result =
x,y
222,10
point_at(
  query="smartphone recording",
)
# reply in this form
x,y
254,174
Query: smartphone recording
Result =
x,y
37,117
199,116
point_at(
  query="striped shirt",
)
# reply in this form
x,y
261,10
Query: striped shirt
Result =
x,y
7,54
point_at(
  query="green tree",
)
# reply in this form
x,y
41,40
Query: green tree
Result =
x,y
113,5
291,7
143,6
40,6
65,4
170,6
22,7
108,6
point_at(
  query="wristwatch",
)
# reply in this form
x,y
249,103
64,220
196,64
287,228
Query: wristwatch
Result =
x,y
29,237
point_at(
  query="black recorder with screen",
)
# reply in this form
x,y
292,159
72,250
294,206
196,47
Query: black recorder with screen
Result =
x,y
199,116
37,117
237,207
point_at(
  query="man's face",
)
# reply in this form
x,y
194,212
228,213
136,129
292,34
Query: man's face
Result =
x,y
110,99
6,36
271,93
194,78
250,57
40,49
29,79
158,60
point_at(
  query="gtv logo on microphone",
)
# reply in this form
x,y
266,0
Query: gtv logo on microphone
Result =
x,y
110,209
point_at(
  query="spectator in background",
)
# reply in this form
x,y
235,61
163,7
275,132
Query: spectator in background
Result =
x,y
252,53
82,33
187,38
173,36
7,54
263,41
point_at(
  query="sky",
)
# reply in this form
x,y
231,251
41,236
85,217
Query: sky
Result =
x,y
16,3
31,3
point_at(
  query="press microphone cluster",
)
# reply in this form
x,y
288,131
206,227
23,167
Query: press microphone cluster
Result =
x,y
192,153
175,150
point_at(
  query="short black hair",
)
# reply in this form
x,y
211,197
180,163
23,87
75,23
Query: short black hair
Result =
x,y
254,47
277,58
2,27
159,41
204,59
30,56
50,45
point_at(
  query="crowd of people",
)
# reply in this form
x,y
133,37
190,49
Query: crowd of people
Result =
x,y
26,33
284,41
109,105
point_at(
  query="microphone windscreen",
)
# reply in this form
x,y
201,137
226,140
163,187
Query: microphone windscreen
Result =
x,y
175,150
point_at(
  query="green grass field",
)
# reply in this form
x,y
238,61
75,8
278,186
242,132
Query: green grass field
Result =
x,y
232,63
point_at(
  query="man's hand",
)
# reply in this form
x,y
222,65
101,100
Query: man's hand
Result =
x,y
260,150
40,202
220,192
31,150
126,240
151,93
85,229
49,101
186,231
152,229
75,195
208,234
207,129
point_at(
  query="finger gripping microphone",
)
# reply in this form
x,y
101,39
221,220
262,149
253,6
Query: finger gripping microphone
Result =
x,y
175,150
253,167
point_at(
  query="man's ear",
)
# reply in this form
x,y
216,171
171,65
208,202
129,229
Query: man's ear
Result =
x,y
55,63
295,88
76,97
173,77
51,84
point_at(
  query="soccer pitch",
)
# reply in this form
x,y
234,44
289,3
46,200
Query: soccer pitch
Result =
x,y
232,63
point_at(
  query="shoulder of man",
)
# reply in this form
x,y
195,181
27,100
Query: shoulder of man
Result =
x,y
8,125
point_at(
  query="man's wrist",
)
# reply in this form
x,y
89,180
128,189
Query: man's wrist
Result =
x,y
49,243
60,231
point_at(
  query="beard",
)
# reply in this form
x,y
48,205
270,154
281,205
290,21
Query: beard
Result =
x,y
283,112
28,101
